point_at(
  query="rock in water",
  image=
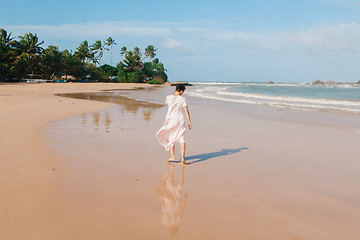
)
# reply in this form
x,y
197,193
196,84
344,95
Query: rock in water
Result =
x,y
318,82
330,82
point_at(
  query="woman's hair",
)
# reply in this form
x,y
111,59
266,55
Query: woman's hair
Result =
x,y
180,87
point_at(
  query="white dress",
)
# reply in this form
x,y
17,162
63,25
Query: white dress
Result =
x,y
174,127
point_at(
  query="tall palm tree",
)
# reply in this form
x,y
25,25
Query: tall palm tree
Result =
x,y
110,42
137,55
28,49
29,43
150,51
84,53
98,48
123,51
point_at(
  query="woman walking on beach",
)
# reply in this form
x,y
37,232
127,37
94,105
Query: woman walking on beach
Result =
x,y
174,127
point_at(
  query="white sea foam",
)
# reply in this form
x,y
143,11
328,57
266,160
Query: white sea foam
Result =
x,y
197,94
221,91
278,104
216,83
293,99
211,89
304,84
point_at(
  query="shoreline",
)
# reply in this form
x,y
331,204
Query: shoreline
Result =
x,y
29,176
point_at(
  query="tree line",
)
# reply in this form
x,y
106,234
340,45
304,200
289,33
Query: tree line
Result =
x,y
24,57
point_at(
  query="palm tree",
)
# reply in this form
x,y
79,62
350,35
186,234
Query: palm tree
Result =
x,y
51,58
72,65
150,51
137,56
84,53
29,43
6,54
123,51
137,51
132,62
66,62
6,38
110,42
28,48
22,65
99,48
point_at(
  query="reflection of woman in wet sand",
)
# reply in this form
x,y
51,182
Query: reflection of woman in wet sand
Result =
x,y
174,127
172,202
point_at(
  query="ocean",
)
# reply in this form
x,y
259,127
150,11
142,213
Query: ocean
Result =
x,y
342,97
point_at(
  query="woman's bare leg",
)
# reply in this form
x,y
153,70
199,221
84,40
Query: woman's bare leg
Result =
x,y
182,148
172,153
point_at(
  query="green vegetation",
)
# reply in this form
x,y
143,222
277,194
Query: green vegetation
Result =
x,y
153,82
133,69
25,57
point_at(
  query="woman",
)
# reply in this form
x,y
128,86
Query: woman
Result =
x,y
174,127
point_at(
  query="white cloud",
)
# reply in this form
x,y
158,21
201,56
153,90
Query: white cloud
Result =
x,y
340,39
172,43
185,38
175,45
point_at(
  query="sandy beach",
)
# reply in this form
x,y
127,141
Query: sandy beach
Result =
x,y
79,169
28,183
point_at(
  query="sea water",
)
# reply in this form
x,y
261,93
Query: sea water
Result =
x,y
342,97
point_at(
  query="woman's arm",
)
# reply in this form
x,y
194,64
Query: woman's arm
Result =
x,y
188,116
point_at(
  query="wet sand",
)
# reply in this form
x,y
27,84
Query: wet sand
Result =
x,y
30,203
251,176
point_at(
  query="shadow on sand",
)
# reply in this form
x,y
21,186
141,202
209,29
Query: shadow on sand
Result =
x,y
206,156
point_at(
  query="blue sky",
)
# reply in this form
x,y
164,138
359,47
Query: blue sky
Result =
x,y
274,40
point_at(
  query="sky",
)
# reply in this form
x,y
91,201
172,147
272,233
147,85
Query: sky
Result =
x,y
222,41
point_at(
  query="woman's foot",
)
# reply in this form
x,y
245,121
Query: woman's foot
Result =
x,y
171,160
183,162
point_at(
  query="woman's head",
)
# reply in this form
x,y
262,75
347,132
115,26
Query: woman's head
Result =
x,y
180,88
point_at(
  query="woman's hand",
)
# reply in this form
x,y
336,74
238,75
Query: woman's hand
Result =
x,y
188,116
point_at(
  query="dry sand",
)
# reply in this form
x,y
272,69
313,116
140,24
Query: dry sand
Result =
x,y
251,177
